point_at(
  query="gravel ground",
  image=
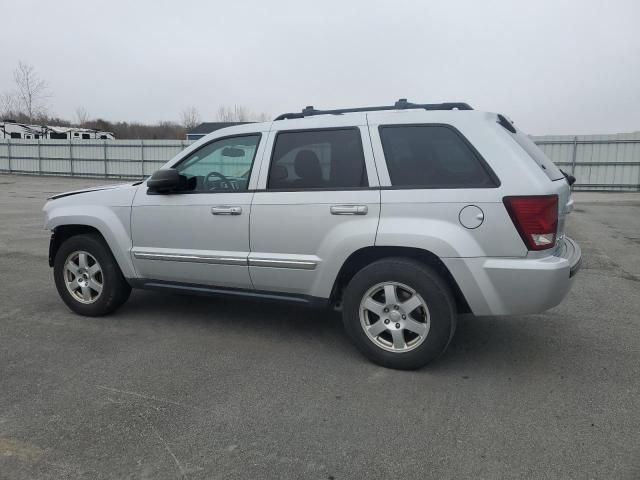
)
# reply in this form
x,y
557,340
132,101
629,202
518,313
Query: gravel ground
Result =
x,y
188,387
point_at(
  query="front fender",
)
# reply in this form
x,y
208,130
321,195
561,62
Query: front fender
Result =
x,y
113,223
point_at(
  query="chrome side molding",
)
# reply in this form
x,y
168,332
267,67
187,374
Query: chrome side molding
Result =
x,y
294,264
228,260
176,257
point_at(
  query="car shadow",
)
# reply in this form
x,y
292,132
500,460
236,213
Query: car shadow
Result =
x,y
509,342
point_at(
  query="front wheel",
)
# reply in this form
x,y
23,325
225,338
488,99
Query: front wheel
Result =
x,y
87,276
399,313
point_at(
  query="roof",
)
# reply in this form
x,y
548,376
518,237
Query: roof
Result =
x,y
208,127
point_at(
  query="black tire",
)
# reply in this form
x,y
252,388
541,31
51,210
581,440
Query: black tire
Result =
x,y
428,284
115,290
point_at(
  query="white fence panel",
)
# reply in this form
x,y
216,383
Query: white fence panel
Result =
x,y
130,159
599,162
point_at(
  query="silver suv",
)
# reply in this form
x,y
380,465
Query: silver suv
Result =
x,y
401,216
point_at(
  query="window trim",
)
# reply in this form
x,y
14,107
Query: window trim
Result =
x,y
213,140
483,163
318,189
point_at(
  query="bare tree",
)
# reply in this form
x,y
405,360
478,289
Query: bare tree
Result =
x,y
225,114
239,113
82,116
190,118
9,106
33,91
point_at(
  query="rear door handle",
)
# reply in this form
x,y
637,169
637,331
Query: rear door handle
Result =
x,y
226,210
349,210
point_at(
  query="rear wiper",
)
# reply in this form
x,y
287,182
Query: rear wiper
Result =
x,y
570,178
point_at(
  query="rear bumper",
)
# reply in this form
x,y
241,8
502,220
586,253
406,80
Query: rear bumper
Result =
x,y
510,286
571,251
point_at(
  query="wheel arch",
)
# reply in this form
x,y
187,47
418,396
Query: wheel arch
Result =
x,y
116,241
62,233
365,256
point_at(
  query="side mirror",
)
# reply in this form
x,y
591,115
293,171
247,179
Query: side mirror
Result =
x,y
165,181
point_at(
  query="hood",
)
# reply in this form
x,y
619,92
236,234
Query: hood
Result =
x,y
93,189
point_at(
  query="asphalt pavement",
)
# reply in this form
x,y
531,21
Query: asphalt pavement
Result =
x,y
174,386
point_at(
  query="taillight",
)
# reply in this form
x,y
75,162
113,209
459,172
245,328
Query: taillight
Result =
x,y
536,218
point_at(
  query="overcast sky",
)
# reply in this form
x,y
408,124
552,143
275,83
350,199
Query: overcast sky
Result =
x,y
554,67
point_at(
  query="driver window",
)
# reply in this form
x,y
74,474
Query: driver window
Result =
x,y
221,166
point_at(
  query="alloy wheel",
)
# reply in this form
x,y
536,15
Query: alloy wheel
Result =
x,y
83,277
394,317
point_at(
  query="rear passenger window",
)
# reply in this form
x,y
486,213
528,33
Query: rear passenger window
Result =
x,y
316,159
432,156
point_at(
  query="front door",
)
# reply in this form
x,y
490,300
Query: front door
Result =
x,y
200,236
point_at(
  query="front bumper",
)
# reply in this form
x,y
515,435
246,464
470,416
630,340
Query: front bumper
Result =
x,y
510,286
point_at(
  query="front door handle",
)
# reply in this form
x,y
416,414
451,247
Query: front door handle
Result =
x,y
226,210
349,210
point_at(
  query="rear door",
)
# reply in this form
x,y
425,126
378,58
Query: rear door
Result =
x,y
317,202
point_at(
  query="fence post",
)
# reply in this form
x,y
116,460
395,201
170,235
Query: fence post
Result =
x,y
39,159
573,158
104,152
142,156
71,154
9,152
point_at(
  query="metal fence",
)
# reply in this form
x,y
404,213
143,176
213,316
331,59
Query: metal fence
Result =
x,y
599,162
126,159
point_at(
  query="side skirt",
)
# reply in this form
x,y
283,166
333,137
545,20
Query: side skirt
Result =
x,y
206,290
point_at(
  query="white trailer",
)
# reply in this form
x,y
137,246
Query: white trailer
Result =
x,y
11,129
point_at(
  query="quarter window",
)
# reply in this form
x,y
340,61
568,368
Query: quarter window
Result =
x,y
432,156
318,159
221,166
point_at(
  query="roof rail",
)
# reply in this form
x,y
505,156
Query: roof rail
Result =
x,y
401,104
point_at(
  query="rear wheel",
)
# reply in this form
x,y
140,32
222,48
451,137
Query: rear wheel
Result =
x,y
87,276
399,313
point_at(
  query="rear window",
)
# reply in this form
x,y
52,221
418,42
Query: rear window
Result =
x,y
432,156
537,155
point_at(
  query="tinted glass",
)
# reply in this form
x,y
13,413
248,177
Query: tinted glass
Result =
x,y
224,165
315,159
426,156
538,155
